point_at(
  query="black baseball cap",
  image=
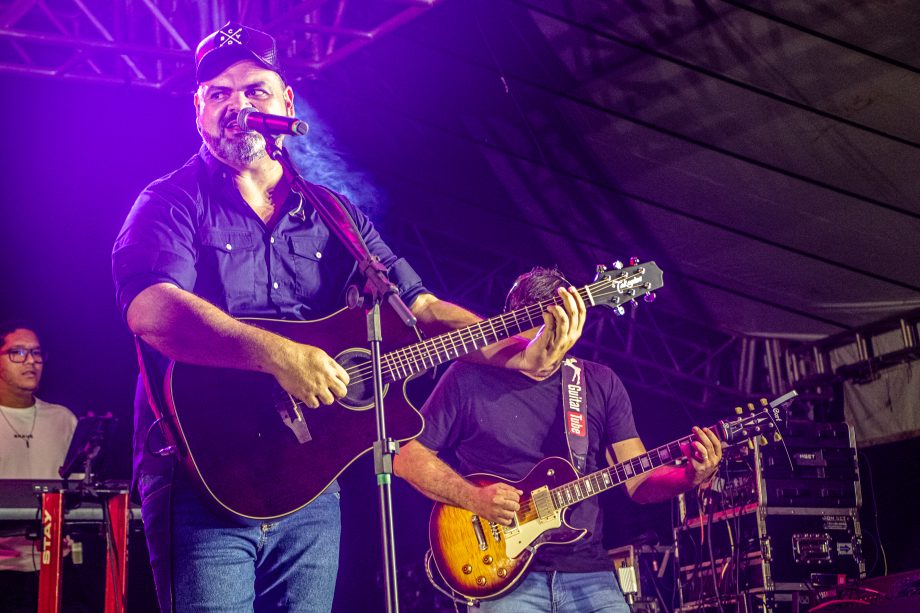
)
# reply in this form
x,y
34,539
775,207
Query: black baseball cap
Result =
x,y
230,44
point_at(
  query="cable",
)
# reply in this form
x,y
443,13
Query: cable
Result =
x,y
651,575
712,559
427,563
878,528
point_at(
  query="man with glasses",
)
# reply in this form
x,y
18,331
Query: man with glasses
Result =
x,y
226,237
34,437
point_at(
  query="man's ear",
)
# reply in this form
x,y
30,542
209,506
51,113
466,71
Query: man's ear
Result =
x,y
289,100
196,99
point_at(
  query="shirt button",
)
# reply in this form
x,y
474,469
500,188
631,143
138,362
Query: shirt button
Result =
x,y
319,255
275,285
229,247
272,240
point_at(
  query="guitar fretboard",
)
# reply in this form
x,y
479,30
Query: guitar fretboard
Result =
x,y
602,480
407,361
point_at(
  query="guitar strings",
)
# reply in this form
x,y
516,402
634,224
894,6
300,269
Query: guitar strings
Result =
x,y
406,359
527,512
417,352
403,359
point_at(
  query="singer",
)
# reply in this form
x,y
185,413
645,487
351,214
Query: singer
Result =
x,y
224,237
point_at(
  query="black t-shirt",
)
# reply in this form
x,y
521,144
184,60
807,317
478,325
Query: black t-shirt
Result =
x,y
498,421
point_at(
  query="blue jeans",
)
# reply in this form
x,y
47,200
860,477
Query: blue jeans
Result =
x,y
205,562
556,592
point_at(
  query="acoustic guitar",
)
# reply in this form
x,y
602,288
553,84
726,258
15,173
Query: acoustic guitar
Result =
x,y
260,453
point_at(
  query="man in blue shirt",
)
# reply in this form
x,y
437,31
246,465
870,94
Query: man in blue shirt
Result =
x,y
224,237
502,422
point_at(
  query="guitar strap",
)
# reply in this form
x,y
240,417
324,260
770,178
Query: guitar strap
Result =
x,y
575,411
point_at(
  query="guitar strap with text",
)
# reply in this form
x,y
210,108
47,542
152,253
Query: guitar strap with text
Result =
x,y
575,411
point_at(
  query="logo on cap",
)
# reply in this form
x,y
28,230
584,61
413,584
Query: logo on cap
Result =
x,y
230,35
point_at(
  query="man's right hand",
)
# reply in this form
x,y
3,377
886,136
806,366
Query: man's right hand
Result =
x,y
497,502
309,374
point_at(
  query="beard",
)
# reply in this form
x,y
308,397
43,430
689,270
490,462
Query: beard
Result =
x,y
240,149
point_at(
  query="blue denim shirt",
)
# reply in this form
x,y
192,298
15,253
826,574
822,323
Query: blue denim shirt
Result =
x,y
192,228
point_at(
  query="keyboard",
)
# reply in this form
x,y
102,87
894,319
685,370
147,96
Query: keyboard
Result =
x,y
20,500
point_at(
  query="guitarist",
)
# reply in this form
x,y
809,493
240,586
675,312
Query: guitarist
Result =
x,y
503,422
224,237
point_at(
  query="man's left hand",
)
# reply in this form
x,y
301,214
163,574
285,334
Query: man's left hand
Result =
x,y
704,454
562,326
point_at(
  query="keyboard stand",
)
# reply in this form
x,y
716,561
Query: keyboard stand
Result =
x,y
116,556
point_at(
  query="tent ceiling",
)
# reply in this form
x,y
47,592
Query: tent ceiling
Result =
x,y
764,153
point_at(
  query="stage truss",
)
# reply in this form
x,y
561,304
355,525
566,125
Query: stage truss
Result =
x,y
151,43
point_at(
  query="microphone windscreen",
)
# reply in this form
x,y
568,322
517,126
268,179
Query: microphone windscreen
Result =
x,y
242,115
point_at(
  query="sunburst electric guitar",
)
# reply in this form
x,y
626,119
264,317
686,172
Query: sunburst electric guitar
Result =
x,y
258,452
479,559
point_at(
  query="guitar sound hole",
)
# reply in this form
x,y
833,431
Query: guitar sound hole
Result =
x,y
361,388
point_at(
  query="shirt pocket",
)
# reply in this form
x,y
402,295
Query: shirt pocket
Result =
x,y
227,267
307,253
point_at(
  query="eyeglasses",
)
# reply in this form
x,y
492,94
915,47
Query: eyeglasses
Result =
x,y
18,355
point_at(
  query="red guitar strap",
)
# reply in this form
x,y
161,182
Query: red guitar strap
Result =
x,y
575,411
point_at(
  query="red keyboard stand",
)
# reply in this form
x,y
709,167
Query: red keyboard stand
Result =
x,y
116,558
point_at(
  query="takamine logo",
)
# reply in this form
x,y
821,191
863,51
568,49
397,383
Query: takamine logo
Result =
x,y
628,282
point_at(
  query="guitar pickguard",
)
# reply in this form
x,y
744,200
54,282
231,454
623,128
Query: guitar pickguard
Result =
x,y
520,537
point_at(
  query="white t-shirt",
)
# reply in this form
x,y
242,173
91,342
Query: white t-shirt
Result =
x,y
54,426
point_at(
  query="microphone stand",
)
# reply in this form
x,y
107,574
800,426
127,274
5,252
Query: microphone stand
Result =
x,y
377,287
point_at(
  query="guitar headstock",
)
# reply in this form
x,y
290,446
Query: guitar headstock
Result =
x,y
615,287
770,419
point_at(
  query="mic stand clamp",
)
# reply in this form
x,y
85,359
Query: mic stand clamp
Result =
x,y
377,288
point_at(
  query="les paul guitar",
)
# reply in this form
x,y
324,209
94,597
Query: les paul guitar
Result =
x,y
258,452
479,559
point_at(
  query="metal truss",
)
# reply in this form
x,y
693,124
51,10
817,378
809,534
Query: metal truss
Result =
x,y
696,368
151,43
876,346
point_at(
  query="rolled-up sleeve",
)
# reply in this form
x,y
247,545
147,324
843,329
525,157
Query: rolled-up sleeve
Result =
x,y
155,244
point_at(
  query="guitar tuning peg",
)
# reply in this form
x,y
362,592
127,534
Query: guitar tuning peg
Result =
x,y
617,264
762,440
763,402
777,437
750,407
650,297
601,268
739,411
619,310
750,444
633,261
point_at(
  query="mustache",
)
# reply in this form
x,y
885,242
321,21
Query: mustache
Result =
x,y
230,119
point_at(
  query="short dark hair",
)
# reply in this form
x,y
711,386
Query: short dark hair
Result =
x,y
537,284
9,326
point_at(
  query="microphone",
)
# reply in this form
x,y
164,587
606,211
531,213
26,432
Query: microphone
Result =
x,y
271,125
